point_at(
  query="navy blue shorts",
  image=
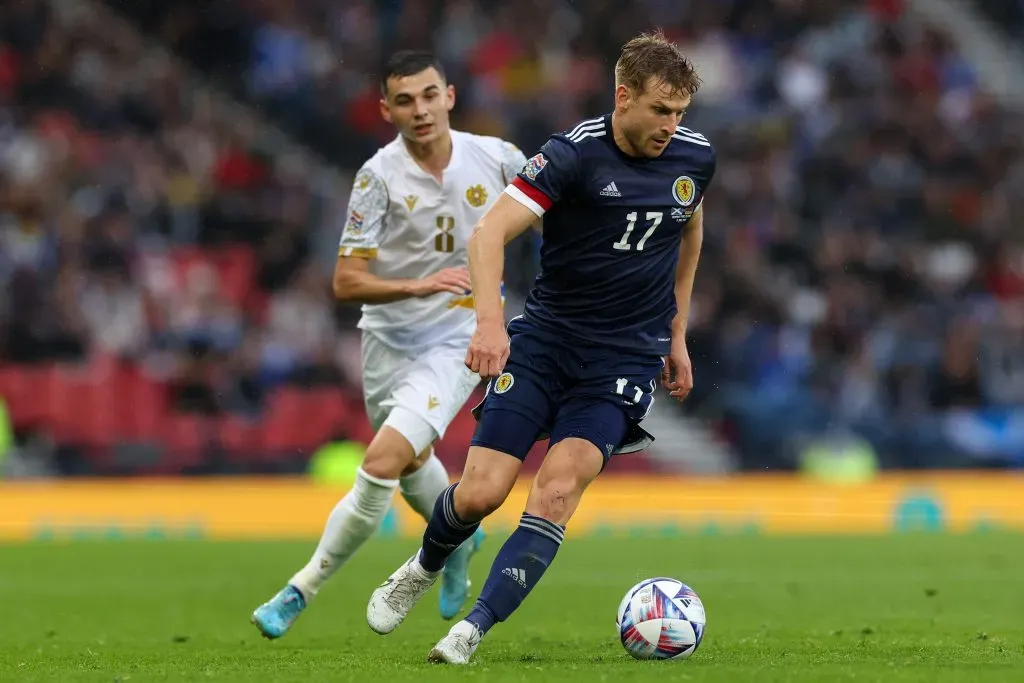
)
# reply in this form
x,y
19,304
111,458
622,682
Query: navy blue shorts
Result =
x,y
555,389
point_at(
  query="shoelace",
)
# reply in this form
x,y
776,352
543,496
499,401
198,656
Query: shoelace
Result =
x,y
463,645
403,590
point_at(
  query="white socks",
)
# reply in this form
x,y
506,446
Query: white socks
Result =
x,y
358,515
421,488
352,522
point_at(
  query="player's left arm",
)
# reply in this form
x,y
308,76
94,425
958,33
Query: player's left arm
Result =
x,y
678,373
686,270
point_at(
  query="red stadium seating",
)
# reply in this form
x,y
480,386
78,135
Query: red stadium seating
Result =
x,y
103,403
240,439
327,414
284,426
186,439
82,409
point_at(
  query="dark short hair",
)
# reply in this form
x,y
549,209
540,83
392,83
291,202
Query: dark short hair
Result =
x,y
408,63
652,55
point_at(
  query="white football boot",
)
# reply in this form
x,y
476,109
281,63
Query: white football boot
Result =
x,y
393,599
458,646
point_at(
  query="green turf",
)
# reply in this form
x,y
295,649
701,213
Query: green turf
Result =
x,y
932,608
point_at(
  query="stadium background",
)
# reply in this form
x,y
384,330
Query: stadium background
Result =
x,y
170,174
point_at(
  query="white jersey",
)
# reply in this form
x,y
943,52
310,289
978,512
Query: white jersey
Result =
x,y
412,226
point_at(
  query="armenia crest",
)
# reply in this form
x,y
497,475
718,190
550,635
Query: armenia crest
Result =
x,y
476,196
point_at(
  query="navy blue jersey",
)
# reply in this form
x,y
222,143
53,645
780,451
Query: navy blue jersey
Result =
x,y
612,230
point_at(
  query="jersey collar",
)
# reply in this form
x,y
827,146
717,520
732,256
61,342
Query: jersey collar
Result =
x,y
453,163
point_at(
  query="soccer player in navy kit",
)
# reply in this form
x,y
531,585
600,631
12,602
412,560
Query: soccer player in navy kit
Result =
x,y
623,222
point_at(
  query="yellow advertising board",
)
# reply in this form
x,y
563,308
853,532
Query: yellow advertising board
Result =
x,y
239,508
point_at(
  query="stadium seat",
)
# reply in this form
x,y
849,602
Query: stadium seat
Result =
x,y
82,410
284,425
144,406
24,394
328,414
14,387
240,439
186,439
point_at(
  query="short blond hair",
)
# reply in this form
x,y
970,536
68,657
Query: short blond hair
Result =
x,y
653,56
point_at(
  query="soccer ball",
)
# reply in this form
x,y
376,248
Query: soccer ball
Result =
x,y
661,619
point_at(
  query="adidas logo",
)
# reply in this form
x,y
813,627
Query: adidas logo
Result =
x,y
610,190
517,575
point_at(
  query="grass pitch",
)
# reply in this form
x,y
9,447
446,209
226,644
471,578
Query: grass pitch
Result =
x,y
932,608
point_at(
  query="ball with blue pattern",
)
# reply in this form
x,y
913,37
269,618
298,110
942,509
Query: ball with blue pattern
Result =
x,y
661,618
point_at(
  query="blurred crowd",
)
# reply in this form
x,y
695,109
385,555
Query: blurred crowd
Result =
x,y
861,271
138,224
1005,15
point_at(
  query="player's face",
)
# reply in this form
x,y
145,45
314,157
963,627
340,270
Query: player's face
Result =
x,y
418,105
649,119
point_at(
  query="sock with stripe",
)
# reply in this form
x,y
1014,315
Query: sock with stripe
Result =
x,y
520,564
445,532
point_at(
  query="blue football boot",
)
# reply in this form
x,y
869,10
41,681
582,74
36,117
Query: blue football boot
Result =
x,y
274,617
455,576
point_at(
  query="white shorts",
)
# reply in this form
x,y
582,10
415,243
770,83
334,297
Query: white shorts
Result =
x,y
416,395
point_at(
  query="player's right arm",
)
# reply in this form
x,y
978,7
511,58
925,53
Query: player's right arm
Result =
x,y
360,239
512,162
502,223
353,282
543,181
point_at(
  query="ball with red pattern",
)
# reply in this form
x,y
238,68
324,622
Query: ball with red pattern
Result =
x,y
661,618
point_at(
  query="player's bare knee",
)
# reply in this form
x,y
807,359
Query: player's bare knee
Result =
x,y
388,455
559,485
556,497
556,493
486,481
384,464
476,500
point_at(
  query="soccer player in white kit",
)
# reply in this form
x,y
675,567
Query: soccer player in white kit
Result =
x,y
403,255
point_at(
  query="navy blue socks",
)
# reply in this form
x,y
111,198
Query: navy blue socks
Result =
x,y
445,532
520,564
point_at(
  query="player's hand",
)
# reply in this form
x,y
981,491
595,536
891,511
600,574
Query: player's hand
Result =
x,y
677,375
488,350
454,280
